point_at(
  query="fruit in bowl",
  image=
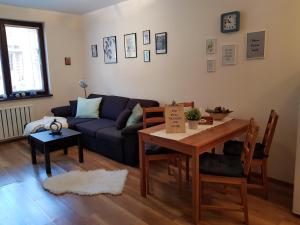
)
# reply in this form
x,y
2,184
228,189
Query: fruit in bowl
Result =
x,y
218,113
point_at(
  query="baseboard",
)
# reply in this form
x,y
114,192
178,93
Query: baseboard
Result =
x,y
274,181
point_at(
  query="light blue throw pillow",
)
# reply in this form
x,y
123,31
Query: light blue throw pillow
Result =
x,y
88,108
136,115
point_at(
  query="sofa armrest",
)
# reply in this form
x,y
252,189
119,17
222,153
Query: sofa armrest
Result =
x,y
132,129
62,111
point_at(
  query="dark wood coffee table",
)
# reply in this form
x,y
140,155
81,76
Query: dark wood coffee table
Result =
x,y
46,143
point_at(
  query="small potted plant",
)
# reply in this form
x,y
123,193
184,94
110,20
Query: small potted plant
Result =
x,y
193,116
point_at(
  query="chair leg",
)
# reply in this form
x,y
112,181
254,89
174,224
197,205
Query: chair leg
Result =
x,y
147,166
264,178
179,165
245,202
187,169
169,168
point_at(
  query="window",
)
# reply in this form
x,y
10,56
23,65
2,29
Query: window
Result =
x,y
23,70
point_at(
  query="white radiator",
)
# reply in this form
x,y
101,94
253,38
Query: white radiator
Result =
x,y
13,120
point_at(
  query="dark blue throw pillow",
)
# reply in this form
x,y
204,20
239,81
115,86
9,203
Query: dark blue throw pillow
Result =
x,y
73,107
122,119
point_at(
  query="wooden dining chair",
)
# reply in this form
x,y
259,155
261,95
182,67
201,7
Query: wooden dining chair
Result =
x,y
230,170
261,152
154,116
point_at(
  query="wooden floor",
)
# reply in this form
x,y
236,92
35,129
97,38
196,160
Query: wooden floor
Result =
x,y
23,201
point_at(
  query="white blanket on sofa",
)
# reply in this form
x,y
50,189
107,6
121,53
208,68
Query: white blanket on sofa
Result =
x,y
32,127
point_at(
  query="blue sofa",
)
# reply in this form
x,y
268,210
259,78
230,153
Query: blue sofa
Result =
x,y
101,135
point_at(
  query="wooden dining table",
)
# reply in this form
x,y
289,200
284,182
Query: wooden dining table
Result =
x,y
193,146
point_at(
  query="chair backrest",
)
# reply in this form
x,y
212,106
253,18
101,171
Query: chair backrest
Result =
x,y
269,132
153,116
249,145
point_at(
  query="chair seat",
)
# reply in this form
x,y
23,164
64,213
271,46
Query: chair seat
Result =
x,y
155,150
235,148
221,165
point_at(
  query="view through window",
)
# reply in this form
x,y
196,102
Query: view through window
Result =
x,y
24,58
23,68
1,80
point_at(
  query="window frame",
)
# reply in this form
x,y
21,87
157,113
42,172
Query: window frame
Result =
x,y
7,83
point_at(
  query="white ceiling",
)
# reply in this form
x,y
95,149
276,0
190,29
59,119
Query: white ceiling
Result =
x,y
69,6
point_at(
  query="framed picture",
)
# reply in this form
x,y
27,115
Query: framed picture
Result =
x,y
161,43
256,45
146,55
94,50
110,49
68,61
130,45
146,37
229,54
211,46
211,65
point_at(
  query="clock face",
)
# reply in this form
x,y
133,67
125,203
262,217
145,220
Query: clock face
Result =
x,y
230,22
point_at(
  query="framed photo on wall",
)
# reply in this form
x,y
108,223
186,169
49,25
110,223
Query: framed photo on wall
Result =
x,y
161,43
146,37
211,65
211,46
130,45
256,45
146,55
110,49
229,54
94,51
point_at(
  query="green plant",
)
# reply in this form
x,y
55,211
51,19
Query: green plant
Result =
x,y
193,114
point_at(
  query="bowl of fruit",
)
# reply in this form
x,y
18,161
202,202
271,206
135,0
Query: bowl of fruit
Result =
x,y
218,113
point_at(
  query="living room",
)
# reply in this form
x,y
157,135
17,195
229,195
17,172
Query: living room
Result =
x,y
185,69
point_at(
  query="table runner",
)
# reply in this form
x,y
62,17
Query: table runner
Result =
x,y
188,132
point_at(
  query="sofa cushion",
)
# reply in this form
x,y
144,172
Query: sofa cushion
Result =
x,y
72,121
88,108
110,135
113,106
73,107
136,115
89,128
143,102
122,119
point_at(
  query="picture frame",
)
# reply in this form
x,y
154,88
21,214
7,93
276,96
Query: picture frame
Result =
x,y
110,50
146,37
211,46
94,50
256,45
146,55
161,43
130,45
229,54
211,65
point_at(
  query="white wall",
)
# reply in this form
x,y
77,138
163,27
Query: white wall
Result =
x,y
63,38
250,88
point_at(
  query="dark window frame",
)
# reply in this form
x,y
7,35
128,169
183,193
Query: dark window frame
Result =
x,y
5,60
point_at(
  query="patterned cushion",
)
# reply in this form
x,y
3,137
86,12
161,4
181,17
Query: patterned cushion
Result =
x,y
235,148
221,165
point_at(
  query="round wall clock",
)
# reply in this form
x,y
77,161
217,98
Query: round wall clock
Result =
x,y
230,22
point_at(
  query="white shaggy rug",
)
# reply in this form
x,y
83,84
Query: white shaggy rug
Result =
x,y
87,182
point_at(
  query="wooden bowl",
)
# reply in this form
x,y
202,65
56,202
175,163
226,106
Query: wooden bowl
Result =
x,y
219,116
